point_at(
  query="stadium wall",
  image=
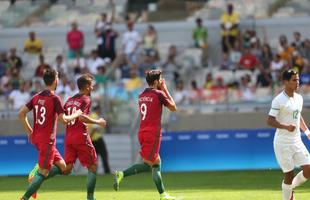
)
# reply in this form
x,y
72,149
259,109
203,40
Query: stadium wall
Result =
x,y
242,149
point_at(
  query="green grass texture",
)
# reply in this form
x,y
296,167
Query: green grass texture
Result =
x,y
220,185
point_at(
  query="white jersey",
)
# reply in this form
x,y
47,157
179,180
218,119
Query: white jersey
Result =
x,y
287,110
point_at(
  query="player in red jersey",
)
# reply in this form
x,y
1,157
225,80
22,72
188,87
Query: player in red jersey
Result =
x,y
47,108
77,142
151,101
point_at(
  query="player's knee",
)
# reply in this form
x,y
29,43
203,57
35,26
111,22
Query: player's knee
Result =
x,y
67,169
44,172
93,168
306,173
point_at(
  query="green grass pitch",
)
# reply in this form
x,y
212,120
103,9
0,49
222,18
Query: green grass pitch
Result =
x,y
226,185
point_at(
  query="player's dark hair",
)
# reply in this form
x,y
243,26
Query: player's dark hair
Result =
x,y
152,76
287,74
84,81
49,76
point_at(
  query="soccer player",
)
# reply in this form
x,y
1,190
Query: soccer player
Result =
x,y
150,106
77,140
47,107
285,116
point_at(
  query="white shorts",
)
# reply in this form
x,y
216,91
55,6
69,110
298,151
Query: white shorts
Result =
x,y
289,156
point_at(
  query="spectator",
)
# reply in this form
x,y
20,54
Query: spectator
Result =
x,y
248,60
266,56
200,36
33,45
285,51
131,42
208,82
106,43
226,63
37,87
172,64
235,55
180,94
98,141
100,25
277,64
134,82
14,60
60,66
255,47
4,63
15,80
264,78
306,50
297,62
150,40
78,64
229,27
75,40
63,87
94,62
218,91
195,94
4,82
247,92
19,97
298,44
41,67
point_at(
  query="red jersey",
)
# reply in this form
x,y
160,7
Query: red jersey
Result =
x,y
248,61
150,106
76,131
75,39
46,107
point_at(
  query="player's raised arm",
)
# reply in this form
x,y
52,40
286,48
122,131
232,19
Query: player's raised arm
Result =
x,y
22,114
171,106
88,120
304,127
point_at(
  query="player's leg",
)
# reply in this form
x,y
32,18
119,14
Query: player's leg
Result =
x,y
302,159
70,158
157,178
58,167
91,181
88,158
46,156
287,188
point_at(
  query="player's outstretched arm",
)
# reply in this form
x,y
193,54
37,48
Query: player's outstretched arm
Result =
x,y
66,118
88,120
172,106
304,127
271,121
22,114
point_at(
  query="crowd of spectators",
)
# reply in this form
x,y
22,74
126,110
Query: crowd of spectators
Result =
x,y
242,50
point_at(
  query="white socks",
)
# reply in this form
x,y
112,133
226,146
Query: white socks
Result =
x,y
286,191
298,179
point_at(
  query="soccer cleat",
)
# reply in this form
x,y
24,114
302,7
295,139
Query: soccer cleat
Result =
x,y
165,196
118,177
32,174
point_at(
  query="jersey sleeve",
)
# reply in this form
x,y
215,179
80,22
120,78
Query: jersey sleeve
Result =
x,y
58,105
275,108
29,104
163,98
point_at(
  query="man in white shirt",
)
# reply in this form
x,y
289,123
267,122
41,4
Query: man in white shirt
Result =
x,y
285,115
94,62
19,97
131,40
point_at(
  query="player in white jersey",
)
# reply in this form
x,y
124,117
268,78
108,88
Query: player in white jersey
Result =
x,y
285,115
